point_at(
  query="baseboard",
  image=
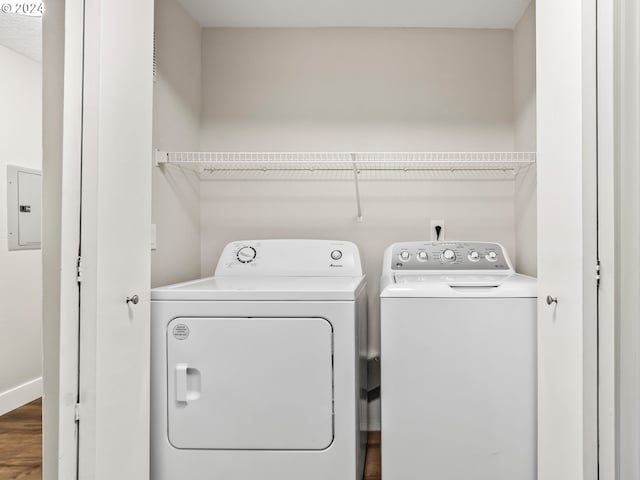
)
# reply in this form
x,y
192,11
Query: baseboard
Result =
x,y
20,395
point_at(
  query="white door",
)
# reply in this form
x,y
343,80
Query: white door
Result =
x,y
115,240
567,234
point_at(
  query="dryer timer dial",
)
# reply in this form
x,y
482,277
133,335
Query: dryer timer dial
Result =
x,y
246,254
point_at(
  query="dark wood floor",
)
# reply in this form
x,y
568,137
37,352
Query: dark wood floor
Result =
x,y
372,466
21,446
21,443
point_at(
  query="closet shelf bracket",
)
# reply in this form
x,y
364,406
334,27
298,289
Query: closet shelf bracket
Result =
x,y
160,157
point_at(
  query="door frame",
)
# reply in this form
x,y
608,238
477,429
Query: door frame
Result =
x,y
620,379
62,66
607,239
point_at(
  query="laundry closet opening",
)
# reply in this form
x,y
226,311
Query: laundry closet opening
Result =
x,y
407,77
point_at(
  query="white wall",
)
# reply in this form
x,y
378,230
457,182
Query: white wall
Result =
x,y
524,87
357,89
176,126
21,278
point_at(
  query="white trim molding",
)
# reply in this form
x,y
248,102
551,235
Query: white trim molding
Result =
x,y
20,395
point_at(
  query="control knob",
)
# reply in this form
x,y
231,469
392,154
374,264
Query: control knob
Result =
x,y
246,254
474,256
404,256
422,256
448,255
492,256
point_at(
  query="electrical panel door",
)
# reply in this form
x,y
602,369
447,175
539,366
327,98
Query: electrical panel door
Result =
x,y
24,204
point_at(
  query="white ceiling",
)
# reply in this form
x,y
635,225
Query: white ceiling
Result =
x,y
357,13
22,34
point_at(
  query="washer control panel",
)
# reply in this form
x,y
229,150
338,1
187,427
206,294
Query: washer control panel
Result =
x,y
301,258
449,256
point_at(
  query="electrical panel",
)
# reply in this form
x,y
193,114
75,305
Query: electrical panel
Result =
x,y
24,204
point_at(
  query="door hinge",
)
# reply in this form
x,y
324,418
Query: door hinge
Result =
x,y
598,273
76,412
79,270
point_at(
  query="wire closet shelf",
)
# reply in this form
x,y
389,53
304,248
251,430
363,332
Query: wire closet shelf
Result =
x,y
336,165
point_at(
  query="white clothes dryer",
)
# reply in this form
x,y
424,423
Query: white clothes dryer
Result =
x,y
260,370
458,363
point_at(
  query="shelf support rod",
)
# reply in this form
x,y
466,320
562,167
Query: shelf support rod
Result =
x,y
357,185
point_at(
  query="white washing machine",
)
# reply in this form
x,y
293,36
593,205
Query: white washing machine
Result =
x,y
260,370
458,364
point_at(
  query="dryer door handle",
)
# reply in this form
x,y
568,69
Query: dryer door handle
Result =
x,y
181,382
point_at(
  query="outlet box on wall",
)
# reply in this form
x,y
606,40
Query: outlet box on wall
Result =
x,y
24,208
437,230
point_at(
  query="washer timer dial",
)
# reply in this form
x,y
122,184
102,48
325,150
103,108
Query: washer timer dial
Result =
x,y
448,255
246,254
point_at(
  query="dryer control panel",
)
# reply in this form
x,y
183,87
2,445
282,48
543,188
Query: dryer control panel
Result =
x,y
290,258
448,256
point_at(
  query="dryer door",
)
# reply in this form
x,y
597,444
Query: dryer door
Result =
x,y
250,383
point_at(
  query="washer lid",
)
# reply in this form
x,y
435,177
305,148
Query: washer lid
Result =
x,y
263,288
460,286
